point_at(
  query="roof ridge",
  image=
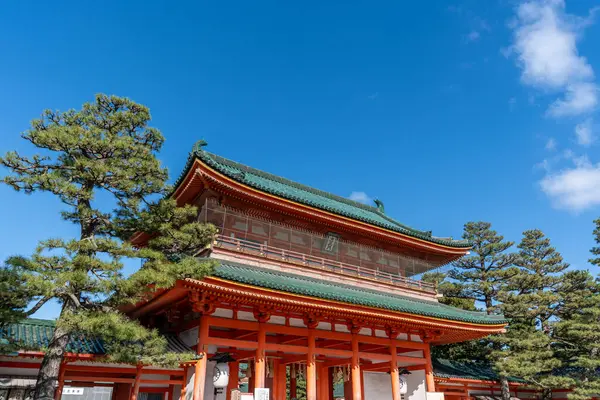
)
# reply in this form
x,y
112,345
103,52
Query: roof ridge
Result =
x,y
309,189
37,321
313,190
293,183
298,192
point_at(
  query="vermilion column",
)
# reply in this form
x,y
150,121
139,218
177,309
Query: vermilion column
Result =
x,y
275,380
234,371
260,359
61,381
311,373
395,376
356,378
281,375
200,373
324,383
429,370
136,383
185,382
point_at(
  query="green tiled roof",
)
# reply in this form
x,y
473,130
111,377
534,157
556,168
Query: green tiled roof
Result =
x,y
443,368
306,286
33,333
36,334
297,192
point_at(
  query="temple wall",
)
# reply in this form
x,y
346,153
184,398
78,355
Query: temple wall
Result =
x,y
378,386
415,383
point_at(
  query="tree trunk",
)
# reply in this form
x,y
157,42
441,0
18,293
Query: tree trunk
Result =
x,y
488,305
505,388
547,394
47,379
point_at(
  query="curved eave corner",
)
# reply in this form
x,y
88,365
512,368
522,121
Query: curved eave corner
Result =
x,y
234,171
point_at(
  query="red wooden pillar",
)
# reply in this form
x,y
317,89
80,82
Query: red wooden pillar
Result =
x,y
311,373
234,377
429,370
184,384
136,383
200,372
260,359
275,384
172,388
395,376
61,381
324,383
355,366
281,375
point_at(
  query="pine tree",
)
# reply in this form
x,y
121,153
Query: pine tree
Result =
x,y
577,335
100,162
483,274
531,300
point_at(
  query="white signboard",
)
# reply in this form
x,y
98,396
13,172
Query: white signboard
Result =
x,y
74,391
247,396
261,394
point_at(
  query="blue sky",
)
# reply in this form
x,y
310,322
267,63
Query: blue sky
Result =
x,y
446,111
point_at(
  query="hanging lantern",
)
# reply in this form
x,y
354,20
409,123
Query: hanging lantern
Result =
x,y
403,385
221,375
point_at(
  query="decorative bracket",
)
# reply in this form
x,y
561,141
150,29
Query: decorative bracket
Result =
x,y
355,325
202,303
263,313
311,320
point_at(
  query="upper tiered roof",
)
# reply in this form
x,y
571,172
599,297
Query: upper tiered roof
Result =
x,y
299,193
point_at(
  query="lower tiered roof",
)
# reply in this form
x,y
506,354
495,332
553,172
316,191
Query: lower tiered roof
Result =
x,y
323,289
35,334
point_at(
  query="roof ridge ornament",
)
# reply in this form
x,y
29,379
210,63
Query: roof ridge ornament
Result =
x,y
379,205
198,146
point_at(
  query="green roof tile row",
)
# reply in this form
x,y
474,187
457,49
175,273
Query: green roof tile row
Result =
x,y
321,289
306,195
443,368
33,333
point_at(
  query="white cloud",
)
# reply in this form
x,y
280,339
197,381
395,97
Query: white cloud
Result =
x,y
361,197
579,98
584,133
551,144
576,188
472,36
545,43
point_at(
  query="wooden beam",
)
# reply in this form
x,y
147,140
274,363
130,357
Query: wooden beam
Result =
x,y
19,364
319,333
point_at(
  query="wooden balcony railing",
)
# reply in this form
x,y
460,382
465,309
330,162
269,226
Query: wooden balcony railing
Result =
x,y
290,256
